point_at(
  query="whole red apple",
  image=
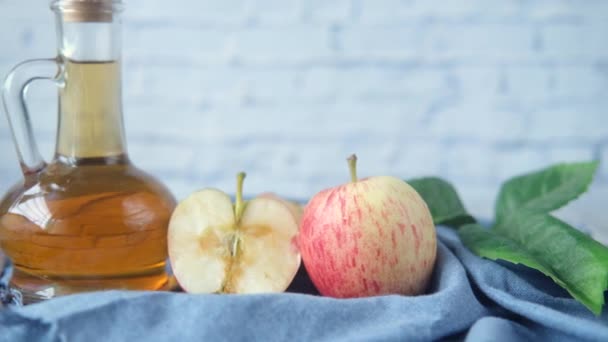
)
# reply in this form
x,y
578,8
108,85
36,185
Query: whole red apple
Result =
x,y
372,236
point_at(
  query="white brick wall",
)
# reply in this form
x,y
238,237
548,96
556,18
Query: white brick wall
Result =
x,y
472,90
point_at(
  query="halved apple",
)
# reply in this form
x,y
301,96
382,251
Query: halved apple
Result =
x,y
296,209
215,247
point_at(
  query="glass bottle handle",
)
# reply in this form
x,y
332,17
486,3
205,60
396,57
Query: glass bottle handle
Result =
x,y
14,99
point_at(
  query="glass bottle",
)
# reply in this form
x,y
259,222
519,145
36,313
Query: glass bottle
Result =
x,y
88,219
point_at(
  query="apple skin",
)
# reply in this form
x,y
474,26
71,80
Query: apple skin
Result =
x,y
371,237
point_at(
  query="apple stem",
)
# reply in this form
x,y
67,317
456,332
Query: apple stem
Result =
x,y
352,165
239,205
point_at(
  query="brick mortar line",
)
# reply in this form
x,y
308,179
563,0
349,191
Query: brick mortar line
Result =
x,y
413,21
504,145
342,62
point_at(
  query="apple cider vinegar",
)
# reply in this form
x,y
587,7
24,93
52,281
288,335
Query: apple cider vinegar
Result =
x,y
90,110
88,219
92,220
99,225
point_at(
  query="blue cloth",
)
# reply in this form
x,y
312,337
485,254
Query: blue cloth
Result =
x,y
8,296
469,298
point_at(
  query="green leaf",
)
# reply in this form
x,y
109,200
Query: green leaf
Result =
x,y
573,260
443,201
544,190
526,234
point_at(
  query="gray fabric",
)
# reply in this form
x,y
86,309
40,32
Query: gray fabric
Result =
x,y
470,298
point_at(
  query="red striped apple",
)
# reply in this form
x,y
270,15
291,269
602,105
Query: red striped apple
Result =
x,y
369,237
215,247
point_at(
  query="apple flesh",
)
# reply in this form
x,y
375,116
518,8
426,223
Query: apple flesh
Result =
x,y
215,247
295,208
373,236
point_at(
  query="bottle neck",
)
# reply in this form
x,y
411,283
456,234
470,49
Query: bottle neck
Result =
x,y
90,100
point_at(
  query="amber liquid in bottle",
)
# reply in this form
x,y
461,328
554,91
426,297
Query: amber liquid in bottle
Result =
x,y
89,220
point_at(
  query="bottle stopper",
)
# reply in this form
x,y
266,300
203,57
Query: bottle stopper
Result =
x,y
87,10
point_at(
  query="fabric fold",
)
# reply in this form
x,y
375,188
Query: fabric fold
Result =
x,y
530,294
8,296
